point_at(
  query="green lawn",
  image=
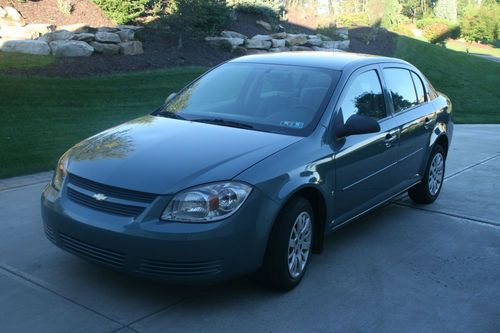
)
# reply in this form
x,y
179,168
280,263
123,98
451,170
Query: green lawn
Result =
x,y
463,47
23,61
42,117
471,83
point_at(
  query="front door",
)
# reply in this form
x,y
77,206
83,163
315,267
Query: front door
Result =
x,y
364,163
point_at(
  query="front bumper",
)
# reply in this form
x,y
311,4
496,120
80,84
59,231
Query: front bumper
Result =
x,y
178,253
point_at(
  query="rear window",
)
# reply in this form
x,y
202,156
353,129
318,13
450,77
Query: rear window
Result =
x,y
400,84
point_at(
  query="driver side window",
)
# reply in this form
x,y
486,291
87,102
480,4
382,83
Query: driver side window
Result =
x,y
364,97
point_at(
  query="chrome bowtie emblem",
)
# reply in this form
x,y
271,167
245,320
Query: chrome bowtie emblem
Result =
x,y
99,197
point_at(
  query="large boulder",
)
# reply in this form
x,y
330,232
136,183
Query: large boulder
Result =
x,y
262,37
129,27
13,32
84,37
3,13
232,34
25,46
224,43
107,29
57,35
13,14
71,48
296,39
280,35
258,44
342,33
40,28
105,48
315,41
278,43
107,37
265,25
126,35
131,48
337,44
77,28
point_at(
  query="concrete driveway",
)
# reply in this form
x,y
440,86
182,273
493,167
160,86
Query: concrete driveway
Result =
x,y
402,268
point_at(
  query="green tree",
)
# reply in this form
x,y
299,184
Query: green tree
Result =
x,y
122,11
446,9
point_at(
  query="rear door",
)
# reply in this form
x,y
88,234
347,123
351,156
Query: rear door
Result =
x,y
414,116
364,163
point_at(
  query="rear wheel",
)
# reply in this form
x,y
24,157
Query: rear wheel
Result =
x,y
430,186
289,247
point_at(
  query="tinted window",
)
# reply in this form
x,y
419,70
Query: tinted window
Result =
x,y
400,83
419,87
364,97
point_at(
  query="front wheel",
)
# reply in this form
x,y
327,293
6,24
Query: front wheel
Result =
x,y
430,186
289,247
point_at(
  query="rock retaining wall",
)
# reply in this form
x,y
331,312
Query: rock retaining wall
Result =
x,y
77,40
278,42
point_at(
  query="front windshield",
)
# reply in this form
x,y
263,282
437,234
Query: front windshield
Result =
x,y
276,98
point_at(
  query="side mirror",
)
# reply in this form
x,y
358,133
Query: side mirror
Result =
x,y
170,97
358,124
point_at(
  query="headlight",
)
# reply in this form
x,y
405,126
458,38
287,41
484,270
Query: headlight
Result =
x,y
207,203
60,172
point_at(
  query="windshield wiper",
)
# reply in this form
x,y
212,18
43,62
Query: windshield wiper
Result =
x,y
168,114
223,122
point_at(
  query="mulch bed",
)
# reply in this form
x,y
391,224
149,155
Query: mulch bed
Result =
x,y
47,11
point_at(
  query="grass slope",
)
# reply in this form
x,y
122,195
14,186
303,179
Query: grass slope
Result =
x,y
471,83
24,61
40,117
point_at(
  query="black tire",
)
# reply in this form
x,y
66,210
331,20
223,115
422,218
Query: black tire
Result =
x,y
274,272
421,193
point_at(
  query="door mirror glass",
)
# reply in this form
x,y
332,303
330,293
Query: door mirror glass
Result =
x,y
358,124
170,97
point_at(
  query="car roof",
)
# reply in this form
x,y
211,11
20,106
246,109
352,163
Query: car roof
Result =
x,y
322,59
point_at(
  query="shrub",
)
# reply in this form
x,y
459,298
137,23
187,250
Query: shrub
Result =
x,y
481,24
192,18
354,19
122,11
271,9
65,7
437,30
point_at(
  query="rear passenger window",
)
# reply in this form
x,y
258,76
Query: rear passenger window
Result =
x,y
400,84
419,87
364,97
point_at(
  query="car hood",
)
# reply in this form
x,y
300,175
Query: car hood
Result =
x,y
163,156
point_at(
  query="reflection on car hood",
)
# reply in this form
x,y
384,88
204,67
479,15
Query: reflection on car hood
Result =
x,y
162,156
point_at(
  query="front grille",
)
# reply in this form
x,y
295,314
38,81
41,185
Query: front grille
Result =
x,y
158,267
110,191
104,206
92,252
49,233
119,201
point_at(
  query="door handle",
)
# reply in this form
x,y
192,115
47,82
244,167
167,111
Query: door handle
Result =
x,y
389,139
427,122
